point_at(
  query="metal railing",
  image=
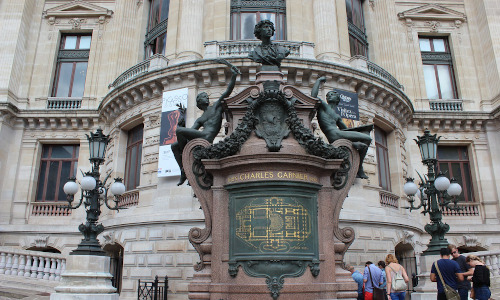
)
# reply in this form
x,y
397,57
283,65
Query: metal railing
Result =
x,y
129,198
64,103
446,105
152,290
33,264
49,209
467,209
378,71
388,199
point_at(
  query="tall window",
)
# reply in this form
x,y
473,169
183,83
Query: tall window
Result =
x,y
134,157
156,38
58,163
438,68
245,14
384,178
72,60
357,31
454,161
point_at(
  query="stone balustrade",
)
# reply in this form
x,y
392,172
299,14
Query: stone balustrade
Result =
x,y
140,68
64,103
32,264
388,199
380,72
130,198
49,209
215,49
492,260
466,209
446,105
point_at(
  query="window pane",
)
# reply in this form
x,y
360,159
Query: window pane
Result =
x,y
439,45
70,42
443,167
62,152
65,174
448,153
248,21
64,79
154,14
79,80
138,164
164,9
380,136
445,82
357,14
161,43
41,181
348,6
430,82
85,42
467,183
131,168
425,45
382,168
52,181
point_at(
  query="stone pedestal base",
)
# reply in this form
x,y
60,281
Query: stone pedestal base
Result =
x,y
86,277
426,289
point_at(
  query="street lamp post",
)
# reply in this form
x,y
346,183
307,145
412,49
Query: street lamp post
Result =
x,y
93,193
435,192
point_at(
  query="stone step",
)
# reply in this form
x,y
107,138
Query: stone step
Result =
x,y
28,284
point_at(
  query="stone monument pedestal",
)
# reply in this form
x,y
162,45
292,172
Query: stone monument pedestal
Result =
x,y
426,289
86,277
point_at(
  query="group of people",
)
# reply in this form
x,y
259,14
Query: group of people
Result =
x,y
388,276
458,272
388,280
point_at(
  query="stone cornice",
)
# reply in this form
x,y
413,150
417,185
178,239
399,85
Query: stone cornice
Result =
x,y
433,12
452,121
301,73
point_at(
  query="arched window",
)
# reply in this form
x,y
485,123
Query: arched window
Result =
x,y
156,37
245,14
357,31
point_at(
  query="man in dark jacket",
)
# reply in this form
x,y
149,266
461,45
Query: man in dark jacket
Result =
x,y
463,286
449,269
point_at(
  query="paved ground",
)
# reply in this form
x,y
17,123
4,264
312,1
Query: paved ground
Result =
x,y
14,293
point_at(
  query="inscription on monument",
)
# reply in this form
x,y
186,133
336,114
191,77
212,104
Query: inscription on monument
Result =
x,y
272,175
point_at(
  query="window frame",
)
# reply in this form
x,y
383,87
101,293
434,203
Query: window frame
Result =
x,y
138,144
74,56
49,159
358,40
461,161
382,149
156,32
278,8
439,58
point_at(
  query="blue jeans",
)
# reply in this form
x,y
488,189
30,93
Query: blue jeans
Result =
x,y
482,293
464,294
398,296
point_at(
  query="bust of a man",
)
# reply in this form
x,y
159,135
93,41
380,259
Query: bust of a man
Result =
x,y
267,53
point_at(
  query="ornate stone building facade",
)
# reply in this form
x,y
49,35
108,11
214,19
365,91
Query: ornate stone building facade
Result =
x,y
68,67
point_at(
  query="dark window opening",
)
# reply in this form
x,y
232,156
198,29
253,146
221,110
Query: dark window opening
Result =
x,y
245,14
358,40
134,157
156,37
71,69
384,175
438,68
58,163
454,162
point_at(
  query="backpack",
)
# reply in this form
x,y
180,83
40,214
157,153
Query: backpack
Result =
x,y
398,283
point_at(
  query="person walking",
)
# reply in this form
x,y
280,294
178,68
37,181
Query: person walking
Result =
x,y
450,271
480,278
383,286
358,277
394,271
372,277
463,286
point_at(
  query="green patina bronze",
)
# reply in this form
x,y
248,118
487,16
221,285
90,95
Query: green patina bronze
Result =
x,y
273,230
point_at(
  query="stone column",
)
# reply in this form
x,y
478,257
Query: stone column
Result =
x,y
190,37
326,31
426,289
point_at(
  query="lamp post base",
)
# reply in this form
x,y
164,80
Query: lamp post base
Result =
x,y
426,289
86,277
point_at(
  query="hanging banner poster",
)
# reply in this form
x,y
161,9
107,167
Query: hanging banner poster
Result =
x,y
167,166
348,107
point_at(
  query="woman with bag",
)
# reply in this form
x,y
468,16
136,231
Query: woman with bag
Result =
x,y
480,278
397,279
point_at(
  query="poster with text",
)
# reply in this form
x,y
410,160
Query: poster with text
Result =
x,y
348,107
167,166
